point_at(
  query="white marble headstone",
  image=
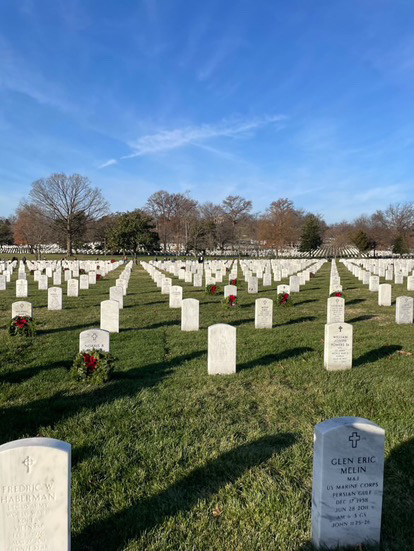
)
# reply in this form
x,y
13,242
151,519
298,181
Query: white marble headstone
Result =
x,y
294,284
263,318
116,293
252,285
283,289
338,346
221,349
230,290
57,277
166,286
73,288
21,288
54,298
335,310
198,280
110,316
35,495
22,308
94,338
348,469
176,296
84,282
384,294
374,283
404,310
190,314
42,282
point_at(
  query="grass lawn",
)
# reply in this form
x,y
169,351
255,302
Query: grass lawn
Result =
x,y
166,457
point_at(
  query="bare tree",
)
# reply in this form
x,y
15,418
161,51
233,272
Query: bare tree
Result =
x,y
161,206
32,227
237,211
69,203
219,229
174,214
281,224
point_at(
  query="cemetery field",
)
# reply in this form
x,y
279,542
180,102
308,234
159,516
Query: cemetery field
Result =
x,y
166,457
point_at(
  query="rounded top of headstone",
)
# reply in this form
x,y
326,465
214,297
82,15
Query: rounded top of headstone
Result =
x,y
29,442
356,422
221,326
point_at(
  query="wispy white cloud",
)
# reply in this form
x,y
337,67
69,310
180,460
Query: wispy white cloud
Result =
x,y
108,163
18,76
224,48
166,140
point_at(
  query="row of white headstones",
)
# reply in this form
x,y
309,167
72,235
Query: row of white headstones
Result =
x,y
338,341
109,309
298,272
35,488
222,338
348,466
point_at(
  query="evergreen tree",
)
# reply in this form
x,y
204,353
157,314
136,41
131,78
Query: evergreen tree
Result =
x,y
134,232
361,241
400,246
311,237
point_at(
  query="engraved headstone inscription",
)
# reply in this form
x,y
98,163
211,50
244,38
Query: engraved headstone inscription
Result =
x,y
35,495
348,470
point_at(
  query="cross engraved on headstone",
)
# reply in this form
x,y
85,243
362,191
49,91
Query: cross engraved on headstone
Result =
x,y
340,329
94,336
354,438
28,463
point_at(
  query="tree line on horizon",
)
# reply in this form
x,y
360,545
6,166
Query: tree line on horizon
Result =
x,y
67,210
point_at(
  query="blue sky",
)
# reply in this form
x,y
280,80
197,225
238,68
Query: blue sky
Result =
x,y
310,100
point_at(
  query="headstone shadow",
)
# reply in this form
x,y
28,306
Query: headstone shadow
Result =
x,y
355,301
376,354
361,318
398,505
71,328
275,358
307,301
153,326
22,375
22,420
298,320
201,483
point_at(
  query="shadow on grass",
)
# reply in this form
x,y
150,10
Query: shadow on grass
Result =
x,y
26,419
355,301
84,326
306,301
376,354
275,358
241,322
153,326
398,514
148,303
297,320
24,374
361,318
200,484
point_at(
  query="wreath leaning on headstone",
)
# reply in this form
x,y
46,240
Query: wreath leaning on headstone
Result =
x,y
284,299
95,366
230,301
22,326
212,289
